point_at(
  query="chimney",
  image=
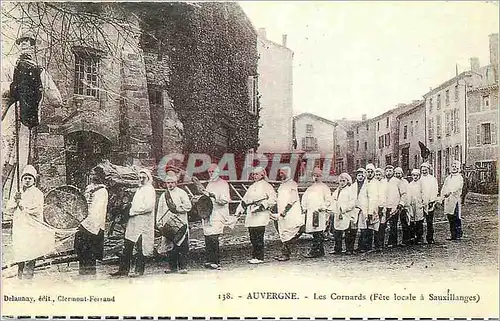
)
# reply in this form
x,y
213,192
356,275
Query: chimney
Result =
x,y
343,118
283,40
494,49
262,33
474,64
363,117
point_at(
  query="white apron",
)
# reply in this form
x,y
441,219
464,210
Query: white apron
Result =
x,y
142,221
372,187
289,225
343,207
415,205
452,184
260,190
31,238
361,204
316,197
220,217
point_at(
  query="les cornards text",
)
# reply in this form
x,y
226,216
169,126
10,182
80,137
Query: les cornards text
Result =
x,y
447,295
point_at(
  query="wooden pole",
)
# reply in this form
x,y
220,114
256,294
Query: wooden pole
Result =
x,y
17,146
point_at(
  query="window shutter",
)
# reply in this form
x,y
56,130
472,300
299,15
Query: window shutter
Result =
x,y
478,135
315,144
303,143
493,133
457,122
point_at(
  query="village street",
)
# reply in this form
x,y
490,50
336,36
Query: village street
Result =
x,y
468,264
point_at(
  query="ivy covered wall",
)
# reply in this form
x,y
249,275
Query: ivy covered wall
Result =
x,y
211,51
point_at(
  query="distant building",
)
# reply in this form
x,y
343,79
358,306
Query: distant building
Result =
x,y
344,146
314,133
411,131
364,142
275,82
482,119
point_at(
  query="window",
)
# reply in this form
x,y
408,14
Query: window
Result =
x,y
378,126
411,128
221,136
387,122
87,74
253,94
486,133
357,130
447,97
431,130
387,139
448,123
438,102
357,145
155,96
309,128
388,160
381,142
367,127
337,150
309,143
438,126
457,93
430,104
415,162
456,127
447,160
405,132
366,145
485,102
456,153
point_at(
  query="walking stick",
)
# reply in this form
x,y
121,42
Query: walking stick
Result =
x,y
17,146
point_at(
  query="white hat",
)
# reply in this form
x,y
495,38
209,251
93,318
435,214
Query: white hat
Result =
x,y
370,166
425,164
398,170
29,170
171,177
361,170
258,170
415,171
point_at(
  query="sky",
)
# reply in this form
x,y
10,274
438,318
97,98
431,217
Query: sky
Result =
x,y
354,58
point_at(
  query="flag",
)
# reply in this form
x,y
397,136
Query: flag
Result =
x,y
424,151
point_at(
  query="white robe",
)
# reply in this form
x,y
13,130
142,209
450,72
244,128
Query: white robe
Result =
x,y
415,204
452,184
219,217
316,197
289,225
142,221
344,208
183,205
98,207
429,189
361,204
31,238
260,190
372,189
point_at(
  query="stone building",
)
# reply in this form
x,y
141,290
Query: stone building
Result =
x,y
482,121
411,131
364,142
143,82
275,81
314,133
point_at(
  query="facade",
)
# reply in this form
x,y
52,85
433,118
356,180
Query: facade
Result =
x,y
314,133
411,131
450,130
127,99
344,146
364,142
275,82
482,121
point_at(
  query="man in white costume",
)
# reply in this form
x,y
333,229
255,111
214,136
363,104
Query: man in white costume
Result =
x,y
416,208
373,220
213,226
289,216
429,196
379,236
393,204
404,216
345,213
31,238
175,201
89,239
315,203
451,193
139,232
256,204
361,191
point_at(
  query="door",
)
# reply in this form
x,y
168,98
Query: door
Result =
x,y
405,160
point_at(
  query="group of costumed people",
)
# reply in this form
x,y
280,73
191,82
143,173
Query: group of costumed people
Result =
x,y
375,199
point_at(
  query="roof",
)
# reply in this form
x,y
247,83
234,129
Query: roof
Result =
x,y
328,121
267,41
448,83
416,106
